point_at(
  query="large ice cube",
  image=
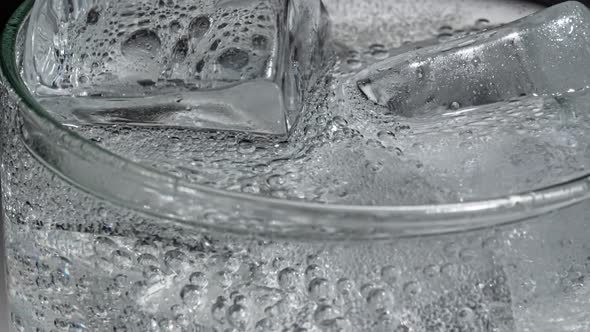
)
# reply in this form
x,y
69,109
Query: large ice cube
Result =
x,y
221,64
545,53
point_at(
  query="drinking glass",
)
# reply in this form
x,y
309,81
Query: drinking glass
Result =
x,y
100,240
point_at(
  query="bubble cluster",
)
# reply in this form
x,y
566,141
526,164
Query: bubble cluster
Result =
x,y
203,46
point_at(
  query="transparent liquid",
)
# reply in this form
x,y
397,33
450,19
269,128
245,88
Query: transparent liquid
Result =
x,y
77,263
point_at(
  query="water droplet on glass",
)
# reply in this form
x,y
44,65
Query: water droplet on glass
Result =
x,y
199,279
103,247
183,321
430,270
147,260
467,254
319,289
288,279
175,27
122,259
180,50
345,286
233,58
412,288
313,271
218,309
223,278
325,313
246,146
153,274
465,315
238,316
482,23
192,296
390,274
199,26
259,42
176,261
141,45
93,16
420,72
379,300
168,325
386,137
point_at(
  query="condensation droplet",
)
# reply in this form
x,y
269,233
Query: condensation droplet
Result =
x,y
390,274
238,317
412,288
192,296
233,58
199,26
199,279
319,289
288,279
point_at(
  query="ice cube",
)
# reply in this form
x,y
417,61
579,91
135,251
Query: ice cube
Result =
x,y
220,64
545,53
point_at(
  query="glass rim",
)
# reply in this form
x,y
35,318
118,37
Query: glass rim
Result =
x,y
138,187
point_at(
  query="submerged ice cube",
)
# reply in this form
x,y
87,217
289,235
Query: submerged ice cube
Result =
x,y
217,64
546,53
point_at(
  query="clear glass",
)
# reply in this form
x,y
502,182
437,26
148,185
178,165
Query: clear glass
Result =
x,y
98,242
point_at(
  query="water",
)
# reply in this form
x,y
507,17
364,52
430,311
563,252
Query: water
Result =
x,y
77,263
